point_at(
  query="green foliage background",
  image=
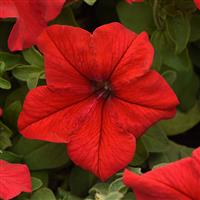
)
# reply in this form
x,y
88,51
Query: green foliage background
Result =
x,y
174,29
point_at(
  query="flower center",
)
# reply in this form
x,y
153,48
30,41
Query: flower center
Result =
x,y
102,87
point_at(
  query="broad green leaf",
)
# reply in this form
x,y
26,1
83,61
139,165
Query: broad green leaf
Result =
x,y
36,183
137,16
11,60
178,28
141,154
4,84
5,134
80,181
43,194
2,68
195,28
175,152
10,157
182,121
33,57
40,155
11,113
155,140
33,81
25,72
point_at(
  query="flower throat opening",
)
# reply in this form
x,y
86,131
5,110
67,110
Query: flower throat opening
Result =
x,y
102,87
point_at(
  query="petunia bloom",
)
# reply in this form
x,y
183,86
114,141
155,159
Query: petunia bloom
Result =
x,y
176,181
197,3
32,18
100,95
14,179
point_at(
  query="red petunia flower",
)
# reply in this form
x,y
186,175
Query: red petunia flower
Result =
x,y
176,181
100,95
197,3
14,179
32,17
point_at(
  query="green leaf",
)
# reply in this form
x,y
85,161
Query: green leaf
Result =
x,y
16,95
80,181
186,85
182,121
4,84
90,2
113,196
175,152
101,188
137,16
25,72
10,157
5,134
2,68
129,196
155,140
117,186
11,113
43,194
141,154
178,28
40,155
36,183
195,28
33,57
42,175
170,76
64,195
11,60
66,17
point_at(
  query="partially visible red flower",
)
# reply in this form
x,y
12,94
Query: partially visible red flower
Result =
x,y
132,1
197,2
32,17
14,179
176,181
100,95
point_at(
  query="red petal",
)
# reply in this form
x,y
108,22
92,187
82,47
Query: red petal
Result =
x,y
134,118
32,17
135,62
14,179
100,146
176,181
67,46
53,115
150,90
109,45
197,2
8,9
